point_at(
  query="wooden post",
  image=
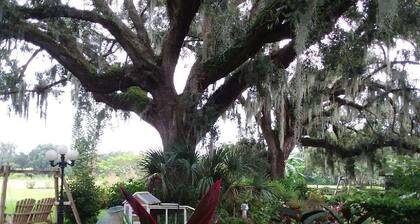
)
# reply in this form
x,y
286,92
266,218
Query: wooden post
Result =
x,y
72,205
56,185
6,173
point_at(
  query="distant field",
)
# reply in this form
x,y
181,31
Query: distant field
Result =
x,y
17,189
330,189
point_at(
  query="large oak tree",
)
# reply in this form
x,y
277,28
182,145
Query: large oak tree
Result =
x,y
125,55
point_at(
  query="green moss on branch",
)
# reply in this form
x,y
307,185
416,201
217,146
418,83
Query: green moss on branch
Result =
x,y
133,97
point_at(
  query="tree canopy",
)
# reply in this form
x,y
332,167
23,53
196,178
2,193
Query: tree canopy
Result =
x,y
125,53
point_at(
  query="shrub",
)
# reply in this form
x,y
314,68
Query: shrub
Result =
x,y
390,207
291,188
113,193
88,198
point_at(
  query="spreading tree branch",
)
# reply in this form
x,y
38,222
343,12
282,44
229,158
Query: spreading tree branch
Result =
x,y
138,24
38,88
25,66
181,13
358,149
370,102
133,100
247,75
137,51
68,56
264,30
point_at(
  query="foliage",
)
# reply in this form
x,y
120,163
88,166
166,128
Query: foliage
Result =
x,y
398,205
34,159
37,156
113,193
389,207
163,169
22,160
292,188
295,164
123,164
327,215
231,163
89,198
87,129
406,173
7,151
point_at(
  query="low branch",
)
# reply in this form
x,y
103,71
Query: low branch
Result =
x,y
384,65
370,102
38,88
358,149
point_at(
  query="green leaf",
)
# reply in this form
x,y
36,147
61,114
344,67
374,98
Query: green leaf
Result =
x,y
362,219
312,218
310,213
289,212
336,215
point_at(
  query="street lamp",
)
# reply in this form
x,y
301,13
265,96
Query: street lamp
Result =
x,y
64,158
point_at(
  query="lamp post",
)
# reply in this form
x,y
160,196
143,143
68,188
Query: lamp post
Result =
x,y
64,158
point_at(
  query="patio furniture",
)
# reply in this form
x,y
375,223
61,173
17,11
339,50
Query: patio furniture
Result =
x,y
41,211
6,171
22,211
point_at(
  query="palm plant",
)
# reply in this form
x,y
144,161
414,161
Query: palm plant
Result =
x,y
231,163
162,169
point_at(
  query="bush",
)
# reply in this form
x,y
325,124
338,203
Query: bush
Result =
x,y
406,181
113,193
390,207
88,197
290,188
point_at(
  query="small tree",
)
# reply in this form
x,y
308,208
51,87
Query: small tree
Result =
x,y
87,129
37,156
7,152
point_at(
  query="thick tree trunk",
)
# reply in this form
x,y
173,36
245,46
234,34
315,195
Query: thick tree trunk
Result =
x,y
280,166
172,120
278,155
272,141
